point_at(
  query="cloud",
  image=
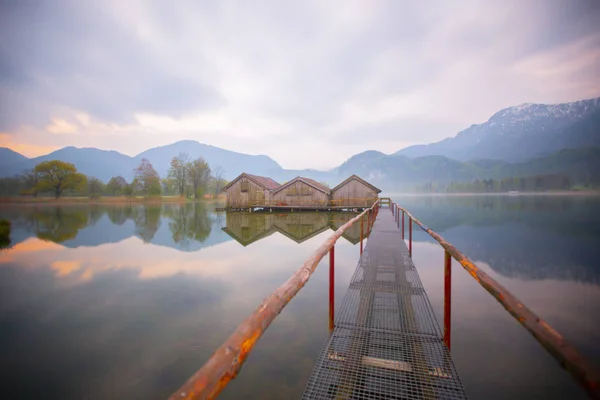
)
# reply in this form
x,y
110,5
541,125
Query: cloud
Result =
x,y
60,126
274,77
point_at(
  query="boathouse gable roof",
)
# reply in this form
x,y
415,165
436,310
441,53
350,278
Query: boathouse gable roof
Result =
x,y
310,182
262,181
358,178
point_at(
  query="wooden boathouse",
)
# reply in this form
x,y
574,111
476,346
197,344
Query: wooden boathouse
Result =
x,y
252,192
354,191
302,192
247,190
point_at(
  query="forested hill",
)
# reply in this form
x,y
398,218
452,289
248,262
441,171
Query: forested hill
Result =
x,y
396,172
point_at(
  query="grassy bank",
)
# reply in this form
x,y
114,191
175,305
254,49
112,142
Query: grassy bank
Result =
x,y
103,200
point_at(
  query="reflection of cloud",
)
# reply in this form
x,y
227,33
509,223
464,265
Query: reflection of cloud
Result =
x,y
27,247
220,261
65,267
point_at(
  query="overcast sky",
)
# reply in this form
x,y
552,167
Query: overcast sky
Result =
x,y
309,83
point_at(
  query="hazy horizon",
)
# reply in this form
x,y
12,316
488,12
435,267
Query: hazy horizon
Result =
x,y
283,80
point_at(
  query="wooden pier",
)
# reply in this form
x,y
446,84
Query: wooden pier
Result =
x,y
385,342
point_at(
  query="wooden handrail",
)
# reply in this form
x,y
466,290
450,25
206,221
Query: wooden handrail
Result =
x,y
227,360
568,357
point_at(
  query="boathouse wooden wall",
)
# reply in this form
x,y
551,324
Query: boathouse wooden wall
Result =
x,y
253,194
299,193
347,194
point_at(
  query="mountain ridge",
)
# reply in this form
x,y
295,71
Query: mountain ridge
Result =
x,y
521,133
550,129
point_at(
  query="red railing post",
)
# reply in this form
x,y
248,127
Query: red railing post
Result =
x,y
361,234
402,224
410,236
447,297
331,281
398,218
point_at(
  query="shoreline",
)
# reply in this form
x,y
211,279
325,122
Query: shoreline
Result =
x,y
562,193
102,200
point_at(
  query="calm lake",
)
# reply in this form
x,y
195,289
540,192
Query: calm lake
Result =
x,y
127,302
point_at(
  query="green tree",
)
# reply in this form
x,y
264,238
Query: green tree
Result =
x,y
198,173
10,186
57,176
128,190
116,185
178,171
147,179
95,187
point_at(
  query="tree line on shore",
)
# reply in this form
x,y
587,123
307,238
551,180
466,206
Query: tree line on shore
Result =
x,y
186,177
536,183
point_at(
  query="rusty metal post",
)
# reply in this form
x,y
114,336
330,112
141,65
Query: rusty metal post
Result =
x,y
402,224
361,235
410,236
331,281
447,298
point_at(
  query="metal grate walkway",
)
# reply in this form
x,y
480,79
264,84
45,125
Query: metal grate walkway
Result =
x,y
386,343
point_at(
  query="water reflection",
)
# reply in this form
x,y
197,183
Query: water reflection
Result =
x,y
127,301
526,237
247,228
122,307
99,224
189,224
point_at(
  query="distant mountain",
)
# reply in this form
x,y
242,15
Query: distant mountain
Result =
x,y
105,164
10,157
102,164
517,141
397,172
521,133
232,162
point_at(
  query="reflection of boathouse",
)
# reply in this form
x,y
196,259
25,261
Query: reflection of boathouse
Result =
x,y
247,227
258,192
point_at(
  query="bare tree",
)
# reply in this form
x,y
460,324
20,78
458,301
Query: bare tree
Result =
x,y
30,180
147,178
178,171
218,174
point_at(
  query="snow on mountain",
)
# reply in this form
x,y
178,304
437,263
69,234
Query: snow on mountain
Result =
x,y
521,132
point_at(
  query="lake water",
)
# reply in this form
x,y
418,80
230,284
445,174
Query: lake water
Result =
x,y
103,302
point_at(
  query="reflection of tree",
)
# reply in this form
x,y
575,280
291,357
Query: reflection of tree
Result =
x,y
525,237
188,222
96,212
59,224
147,221
118,214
